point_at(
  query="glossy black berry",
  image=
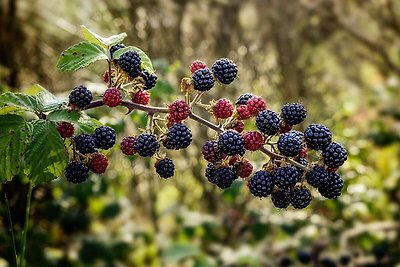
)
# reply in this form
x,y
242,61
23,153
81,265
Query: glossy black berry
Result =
x,y
115,48
146,145
334,155
302,161
84,143
300,197
225,70
150,79
317,136
203,79
290,144
281,199
327,262
317,175
261,183
224,177
76,172
332,187
130,63
286,176
179,136
243,98
165,168
304,256
80,97
285,261
211,152
267,121
104,137
210,173
230,143
293,113
345,259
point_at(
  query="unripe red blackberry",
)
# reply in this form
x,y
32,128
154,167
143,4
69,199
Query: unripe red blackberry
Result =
x,y
76,172
178,110
253,140
165,168
128,145
225,70
255,105
293,113
236,125
300,197
261,184
66,129
242,112
222,108
230,143
334,155
197,65
146,145
284,127
171,121
112,97
203,80
243,168
281,198
141,97
80,97
211,152
98,163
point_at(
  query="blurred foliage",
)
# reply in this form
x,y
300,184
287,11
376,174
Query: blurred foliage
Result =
x,y
340,58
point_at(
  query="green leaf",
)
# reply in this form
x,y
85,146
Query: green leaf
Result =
x,y
49,101
87,124
146,61
13,134
21,101
80,55
179,252
46,156
64,115
100,40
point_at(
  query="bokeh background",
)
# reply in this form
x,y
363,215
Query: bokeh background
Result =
x,y
341,58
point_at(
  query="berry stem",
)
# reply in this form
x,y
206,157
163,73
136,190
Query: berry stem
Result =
x,y
11,229
26,226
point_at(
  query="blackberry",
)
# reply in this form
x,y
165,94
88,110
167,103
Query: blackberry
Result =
x,y
253,140
203,79
178,110
115,48
317,136
334,155
300,197
222,108
332,187
225,70
76,172
243,168
316,176
130,63
242,112
146,145
128,145
66,129
141,97
236,125
302,161
112,97
286,176
293,113
243,98
80,97
281,199
210,173
285,261
165,168
345,259
150,79
289,144
211,152
327,262
304,256
267,121
230,143
84,143
98,163
224,177
261,184
255,105
179,136
104,137
196,65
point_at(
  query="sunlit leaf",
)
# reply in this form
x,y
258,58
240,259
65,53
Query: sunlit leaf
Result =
x,y
100,40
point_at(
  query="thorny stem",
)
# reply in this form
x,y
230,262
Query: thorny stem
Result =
x,y
26,226
152,110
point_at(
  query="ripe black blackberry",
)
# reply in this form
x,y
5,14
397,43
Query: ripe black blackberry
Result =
x,y
230,143
267,121
84,143
300,197
327,262
179,136
243,98
146,145
345,259
332,187
203,79
80,97
104,137
317,175
334,155
304,256
211,152
165,167
115,48
76,172
150,79
317,136
281,199
293,113
289,144
261,183
224,177
130,63
210,173
302,161
225,70
287,176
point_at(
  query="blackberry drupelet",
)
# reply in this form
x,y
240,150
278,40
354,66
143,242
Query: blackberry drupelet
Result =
x,y
289,144
261,184
230,142
203,79
243,98
293,113
179,136
76,172
267,121
225,70
84,143
104,137
165,167
316,176
286,177
332,187
130,63
334,155
281,199
317,136
300,197
146,145
150,79
80,97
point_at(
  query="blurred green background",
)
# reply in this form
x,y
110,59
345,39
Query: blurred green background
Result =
x,y
341,58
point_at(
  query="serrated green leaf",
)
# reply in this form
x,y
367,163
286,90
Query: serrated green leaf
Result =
x,y
11,110
13,134
87,124
179,252
64,115
49,101
22,101
80,55
146,61
46,156
100,40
